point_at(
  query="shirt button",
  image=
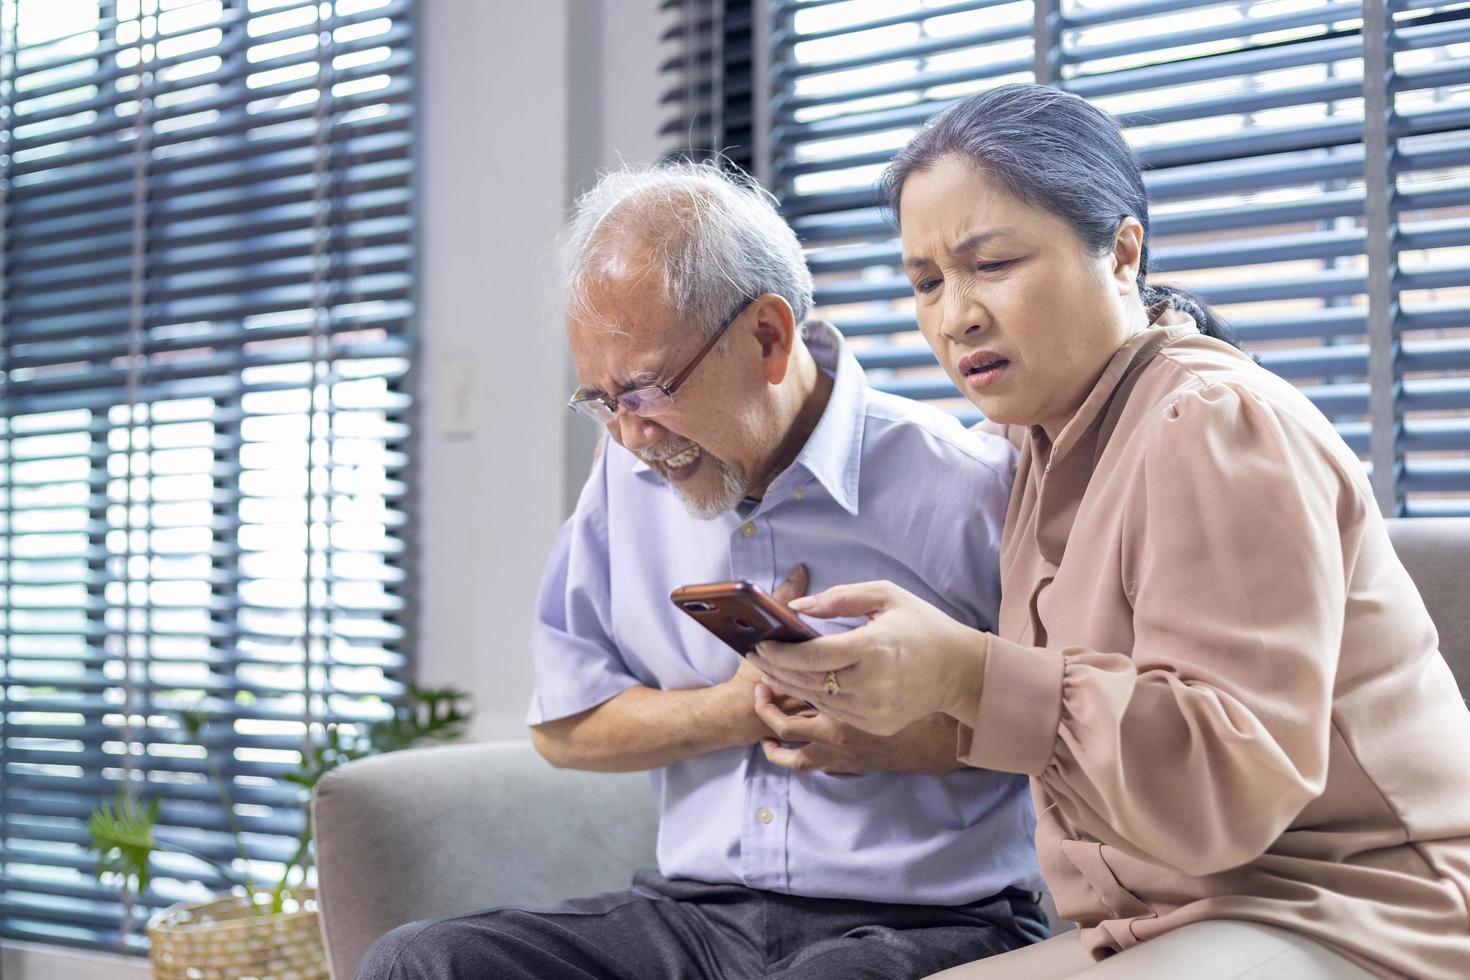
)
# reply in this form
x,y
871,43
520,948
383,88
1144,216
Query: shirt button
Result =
x,y
764,815
748,529
798,495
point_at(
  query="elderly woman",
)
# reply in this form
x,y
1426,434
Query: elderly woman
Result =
x,y
1224,687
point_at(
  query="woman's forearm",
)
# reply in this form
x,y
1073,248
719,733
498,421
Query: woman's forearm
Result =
x,y
966,679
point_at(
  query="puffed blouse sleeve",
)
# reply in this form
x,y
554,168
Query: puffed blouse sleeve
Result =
x,y
1200,745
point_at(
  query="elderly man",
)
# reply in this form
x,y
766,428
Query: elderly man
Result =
x,y
744,442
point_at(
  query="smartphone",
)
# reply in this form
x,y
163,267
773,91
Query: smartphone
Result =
x,y
741,615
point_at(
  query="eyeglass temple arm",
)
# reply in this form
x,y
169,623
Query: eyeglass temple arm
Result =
x,y
709,346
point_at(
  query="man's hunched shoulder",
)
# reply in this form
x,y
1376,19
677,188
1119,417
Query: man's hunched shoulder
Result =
x,y
891,416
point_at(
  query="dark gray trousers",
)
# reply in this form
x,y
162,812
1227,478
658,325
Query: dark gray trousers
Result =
x,y
663,928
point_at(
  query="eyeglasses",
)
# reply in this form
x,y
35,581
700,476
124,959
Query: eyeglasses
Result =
x,y
650,400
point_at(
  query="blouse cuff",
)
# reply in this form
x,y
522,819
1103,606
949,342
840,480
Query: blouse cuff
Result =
x,y
1020,710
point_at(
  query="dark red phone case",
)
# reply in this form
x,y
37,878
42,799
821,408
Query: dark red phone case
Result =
x,y
740,614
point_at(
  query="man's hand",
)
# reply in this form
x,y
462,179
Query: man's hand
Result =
x,y
643,728
794,587
735,698
927,746
737,694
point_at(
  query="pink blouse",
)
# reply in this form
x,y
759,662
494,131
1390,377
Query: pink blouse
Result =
x,y
1223,684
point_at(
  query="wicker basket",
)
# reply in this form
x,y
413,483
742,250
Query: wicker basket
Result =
x,y
222,940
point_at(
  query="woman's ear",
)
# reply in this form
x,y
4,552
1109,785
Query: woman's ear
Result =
x,y
1127,254
775,331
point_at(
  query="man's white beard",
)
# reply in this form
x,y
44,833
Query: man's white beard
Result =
x,y
732,491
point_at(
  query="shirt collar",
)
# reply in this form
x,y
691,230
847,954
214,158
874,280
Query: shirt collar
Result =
x,y
833,452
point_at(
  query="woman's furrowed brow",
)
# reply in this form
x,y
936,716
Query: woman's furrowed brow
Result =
x,y
971,243
979,240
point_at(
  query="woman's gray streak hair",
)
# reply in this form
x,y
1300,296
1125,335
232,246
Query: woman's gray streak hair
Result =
x,y
708,239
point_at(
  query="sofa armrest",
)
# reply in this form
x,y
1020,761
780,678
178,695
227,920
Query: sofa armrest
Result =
x,y
433,832
1436,553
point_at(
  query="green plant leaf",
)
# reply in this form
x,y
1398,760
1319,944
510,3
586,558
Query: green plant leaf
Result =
x,y
123,832
427,715
122,836
192,721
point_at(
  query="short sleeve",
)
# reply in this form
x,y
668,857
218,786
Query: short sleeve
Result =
x,y
577,665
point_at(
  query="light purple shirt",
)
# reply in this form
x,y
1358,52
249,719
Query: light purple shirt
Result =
x,y
885,488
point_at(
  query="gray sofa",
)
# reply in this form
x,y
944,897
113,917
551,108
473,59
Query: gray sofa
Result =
x,y
435,832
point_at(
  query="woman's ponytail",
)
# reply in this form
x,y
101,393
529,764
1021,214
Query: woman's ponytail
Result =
x,y
1210,323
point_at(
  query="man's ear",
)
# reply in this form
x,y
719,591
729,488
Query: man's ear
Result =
x,y
774,329
1127,254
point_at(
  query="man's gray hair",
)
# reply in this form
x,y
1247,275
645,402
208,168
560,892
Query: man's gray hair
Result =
x,y
708,239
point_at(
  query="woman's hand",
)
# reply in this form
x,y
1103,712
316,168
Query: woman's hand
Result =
x,y
910,661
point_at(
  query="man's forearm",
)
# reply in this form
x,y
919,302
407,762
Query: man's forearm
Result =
x,y
643,728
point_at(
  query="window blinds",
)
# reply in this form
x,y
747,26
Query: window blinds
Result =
x,y
204,338
709,107
1323,208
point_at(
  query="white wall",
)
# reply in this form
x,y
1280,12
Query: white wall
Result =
x,y
520,104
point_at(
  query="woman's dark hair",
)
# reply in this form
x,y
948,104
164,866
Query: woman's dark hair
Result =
x,y
1053,151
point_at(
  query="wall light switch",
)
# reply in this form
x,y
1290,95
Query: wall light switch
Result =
x,y
457,395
